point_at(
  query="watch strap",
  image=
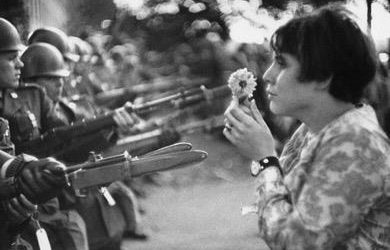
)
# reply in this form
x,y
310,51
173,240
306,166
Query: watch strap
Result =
x,y
269,161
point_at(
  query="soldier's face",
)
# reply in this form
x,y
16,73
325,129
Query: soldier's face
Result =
x,y
10,66
53,86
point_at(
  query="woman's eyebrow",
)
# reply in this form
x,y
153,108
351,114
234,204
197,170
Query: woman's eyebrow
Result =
x,y
278,56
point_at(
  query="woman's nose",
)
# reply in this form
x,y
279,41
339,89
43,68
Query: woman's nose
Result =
x,y
268,77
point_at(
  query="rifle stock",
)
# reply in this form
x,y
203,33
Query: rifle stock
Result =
x,y
103,171
56,138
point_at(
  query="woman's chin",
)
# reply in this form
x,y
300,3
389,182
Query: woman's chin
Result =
x,y
274,108
278,110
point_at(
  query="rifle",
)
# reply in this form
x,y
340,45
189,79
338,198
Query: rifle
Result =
x,y
55,139
166,134
100,171
159,84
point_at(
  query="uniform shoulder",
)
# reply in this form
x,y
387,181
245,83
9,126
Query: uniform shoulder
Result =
x,y
30,91
30,87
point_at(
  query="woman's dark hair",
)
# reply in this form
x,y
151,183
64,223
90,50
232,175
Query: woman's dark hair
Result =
x,y
329,45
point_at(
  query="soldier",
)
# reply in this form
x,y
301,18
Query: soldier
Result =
x,y
30,113
44,65
25,181
85,79
59,39
16,211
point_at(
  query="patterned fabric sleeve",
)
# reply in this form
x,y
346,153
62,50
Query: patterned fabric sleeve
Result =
x,y
330,196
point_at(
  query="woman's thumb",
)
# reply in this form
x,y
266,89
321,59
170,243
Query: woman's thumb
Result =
x,y
256,113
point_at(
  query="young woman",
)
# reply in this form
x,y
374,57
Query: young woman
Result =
x,y
330,187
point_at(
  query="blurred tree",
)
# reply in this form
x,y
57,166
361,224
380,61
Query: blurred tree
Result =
x,y
282,4
163,30
14,11
86,15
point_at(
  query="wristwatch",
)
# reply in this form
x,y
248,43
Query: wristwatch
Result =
x,y
260,165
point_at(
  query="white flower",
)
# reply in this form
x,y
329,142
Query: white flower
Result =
x,y
242,83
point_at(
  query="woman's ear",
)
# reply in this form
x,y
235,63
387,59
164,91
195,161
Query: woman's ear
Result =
x,y
323,85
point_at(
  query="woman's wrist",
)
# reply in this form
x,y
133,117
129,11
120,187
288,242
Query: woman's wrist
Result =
x,y
264,163
271,174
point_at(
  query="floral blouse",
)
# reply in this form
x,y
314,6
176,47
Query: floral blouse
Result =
x,y
335,193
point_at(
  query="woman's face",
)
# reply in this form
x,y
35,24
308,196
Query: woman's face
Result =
x,y
287,95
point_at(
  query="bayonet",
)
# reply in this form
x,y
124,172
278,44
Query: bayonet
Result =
x,y
106,170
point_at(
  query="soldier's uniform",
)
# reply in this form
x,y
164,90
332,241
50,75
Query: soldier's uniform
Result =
x,y
105,223
44,64
7,146
76,149
30,113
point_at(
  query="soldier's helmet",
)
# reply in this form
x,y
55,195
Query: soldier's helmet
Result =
x,y
43,60
55,37
9,37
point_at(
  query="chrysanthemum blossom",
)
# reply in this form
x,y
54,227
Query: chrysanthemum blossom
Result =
x,y
242,83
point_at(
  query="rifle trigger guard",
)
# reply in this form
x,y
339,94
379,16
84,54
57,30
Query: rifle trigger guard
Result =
x,y
79,194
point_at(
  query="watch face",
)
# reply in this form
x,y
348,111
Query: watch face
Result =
x,y
255,168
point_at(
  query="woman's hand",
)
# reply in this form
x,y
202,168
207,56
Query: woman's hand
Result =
x,y
246,129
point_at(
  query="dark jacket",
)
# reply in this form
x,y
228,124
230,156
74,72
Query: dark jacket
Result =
x,y
105,224
76,150
29,113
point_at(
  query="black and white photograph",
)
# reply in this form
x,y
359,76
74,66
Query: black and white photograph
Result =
x,y
194,125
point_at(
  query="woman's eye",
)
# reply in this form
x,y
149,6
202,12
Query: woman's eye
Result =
x,y
280,61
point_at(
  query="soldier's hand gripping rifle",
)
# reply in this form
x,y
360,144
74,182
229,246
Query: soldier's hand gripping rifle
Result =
x,y
102,171
57,138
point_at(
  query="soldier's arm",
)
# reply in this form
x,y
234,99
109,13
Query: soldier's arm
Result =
x,y
38,179
50,117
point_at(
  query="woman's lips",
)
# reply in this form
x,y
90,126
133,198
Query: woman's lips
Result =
x,y
270,95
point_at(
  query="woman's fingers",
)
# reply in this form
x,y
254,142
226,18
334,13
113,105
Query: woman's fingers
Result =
x,y
256,114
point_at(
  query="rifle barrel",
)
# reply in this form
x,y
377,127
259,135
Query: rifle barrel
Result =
x,y
50,142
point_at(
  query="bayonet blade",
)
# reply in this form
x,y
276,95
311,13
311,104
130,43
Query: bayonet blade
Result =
x,y
165,162
177,147
118,169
